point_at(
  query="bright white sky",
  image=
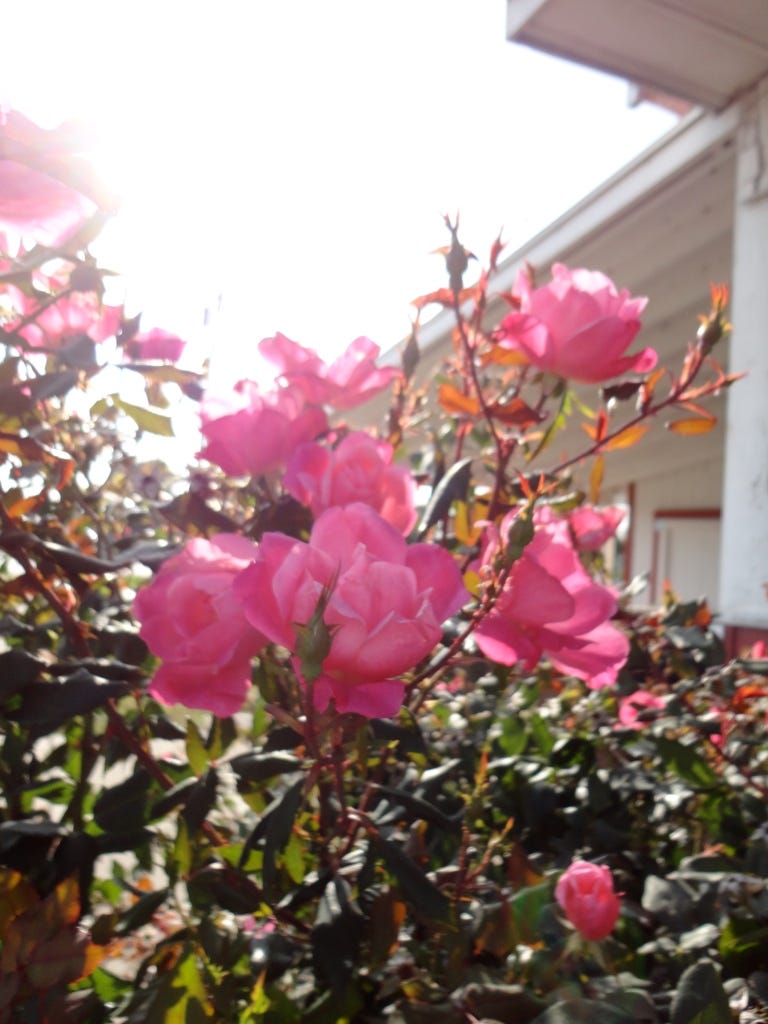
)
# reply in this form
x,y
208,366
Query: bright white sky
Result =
x,y
296,156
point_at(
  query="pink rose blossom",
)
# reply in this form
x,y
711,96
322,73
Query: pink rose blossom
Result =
x,y
46,192
155,344
631,707
192,620
387,602
358,469
586,894
68,318
251,432
592,527
347,382
551,606
577,326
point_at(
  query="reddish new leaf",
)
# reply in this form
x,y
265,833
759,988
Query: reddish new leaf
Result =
x,y
453,401
515,413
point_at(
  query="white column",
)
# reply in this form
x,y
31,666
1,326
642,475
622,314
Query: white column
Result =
x,y
744,550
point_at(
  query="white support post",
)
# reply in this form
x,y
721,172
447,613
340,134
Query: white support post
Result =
x,y
744,550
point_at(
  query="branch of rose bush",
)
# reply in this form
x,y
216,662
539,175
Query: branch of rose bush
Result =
x,y
75,631
696,358
433,672
503,451
147,761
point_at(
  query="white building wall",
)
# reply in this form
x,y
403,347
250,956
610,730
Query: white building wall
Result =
x,y
685,548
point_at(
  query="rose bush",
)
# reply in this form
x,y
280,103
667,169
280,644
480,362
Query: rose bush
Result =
x,y
372,778
578,326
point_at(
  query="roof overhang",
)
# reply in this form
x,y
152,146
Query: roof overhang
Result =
x,y
705,51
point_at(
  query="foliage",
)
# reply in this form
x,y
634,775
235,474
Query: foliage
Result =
x,y
289,860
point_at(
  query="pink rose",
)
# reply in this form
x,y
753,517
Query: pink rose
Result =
x,y
592,527
70,317
252,432
347,382
551,606
387,601
577,326
192,620
45,191
586,894
155,344
359,468
631,707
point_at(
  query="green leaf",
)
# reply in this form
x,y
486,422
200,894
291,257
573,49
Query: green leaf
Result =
x,y
686,762
281,815
256,767
583,1011
145,419
700,997
197,755
124,807
141,912
454,485
182,850
421,893
201,799
47,705
336,936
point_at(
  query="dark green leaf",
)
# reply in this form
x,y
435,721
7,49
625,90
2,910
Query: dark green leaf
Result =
x,y
700,997
421,893
686,762
141,912
124,807
583,1011
337,935
452,487
46,706
256,767
200,800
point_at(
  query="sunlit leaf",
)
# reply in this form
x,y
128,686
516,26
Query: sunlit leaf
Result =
x,y
145,419
596,479
498,355
457,403
197,755
625,439
692,426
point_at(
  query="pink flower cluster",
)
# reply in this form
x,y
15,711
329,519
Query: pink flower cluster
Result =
x,y
387,602
550,606
254,432
214,606
47,193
